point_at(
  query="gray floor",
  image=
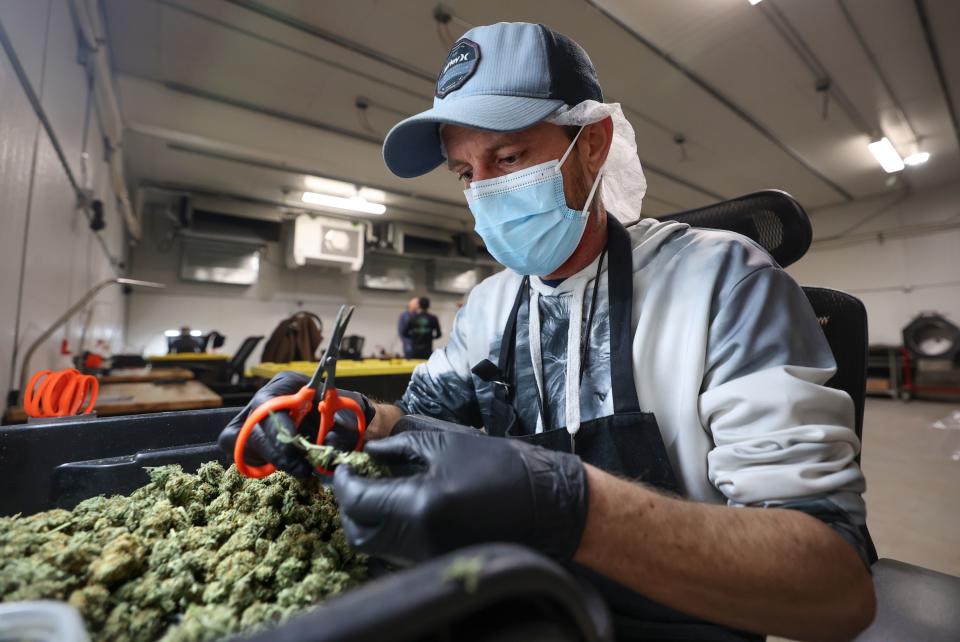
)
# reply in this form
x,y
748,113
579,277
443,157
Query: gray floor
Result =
x,y
913,482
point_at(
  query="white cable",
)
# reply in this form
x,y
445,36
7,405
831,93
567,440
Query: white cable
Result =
x,y
574,332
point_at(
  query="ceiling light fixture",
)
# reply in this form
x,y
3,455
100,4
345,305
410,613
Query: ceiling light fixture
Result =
x,y
329,186
354,203
754,2
885,153
917,159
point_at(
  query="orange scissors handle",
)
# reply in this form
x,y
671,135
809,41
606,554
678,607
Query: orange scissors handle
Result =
x,y
331,403
298,405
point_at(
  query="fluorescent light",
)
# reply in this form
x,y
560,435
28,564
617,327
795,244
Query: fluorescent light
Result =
x,y
754,1
917,159
354,203
196,333
886,155
329,186
171,333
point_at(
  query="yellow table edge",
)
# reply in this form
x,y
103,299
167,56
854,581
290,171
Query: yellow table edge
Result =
x,y
365,368
188,356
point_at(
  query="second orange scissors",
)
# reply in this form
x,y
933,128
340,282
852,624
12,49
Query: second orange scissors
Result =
x,y
300,403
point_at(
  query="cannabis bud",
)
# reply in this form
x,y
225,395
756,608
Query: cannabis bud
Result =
x,y
187,558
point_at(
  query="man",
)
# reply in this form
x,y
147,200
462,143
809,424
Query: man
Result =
x,y
422,328
684,359
412,306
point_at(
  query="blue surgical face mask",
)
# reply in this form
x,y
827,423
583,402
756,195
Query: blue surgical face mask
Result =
x,y
523,217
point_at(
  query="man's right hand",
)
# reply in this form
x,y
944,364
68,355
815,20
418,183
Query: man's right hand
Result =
x,y
452,486
263,445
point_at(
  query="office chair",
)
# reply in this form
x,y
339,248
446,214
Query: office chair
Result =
x,y
237,362
211,340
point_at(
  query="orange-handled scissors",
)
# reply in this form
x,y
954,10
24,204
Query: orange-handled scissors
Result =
x,y
298,405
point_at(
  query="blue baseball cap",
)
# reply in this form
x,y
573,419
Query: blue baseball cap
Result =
x,y
503,77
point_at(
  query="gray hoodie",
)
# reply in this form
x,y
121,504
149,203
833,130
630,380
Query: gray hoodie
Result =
x,y
727,354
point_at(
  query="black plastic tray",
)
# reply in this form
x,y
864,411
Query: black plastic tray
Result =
x,y
59,464
519,595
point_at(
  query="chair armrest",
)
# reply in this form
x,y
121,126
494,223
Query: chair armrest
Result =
x,y
914,603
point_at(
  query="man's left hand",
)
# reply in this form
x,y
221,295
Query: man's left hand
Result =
x,y
450,488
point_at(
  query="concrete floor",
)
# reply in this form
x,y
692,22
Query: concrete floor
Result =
x,y
913,482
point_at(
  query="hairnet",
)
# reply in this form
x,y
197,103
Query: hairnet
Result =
x,y
623,184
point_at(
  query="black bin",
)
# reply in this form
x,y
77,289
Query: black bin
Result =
x,y
518,594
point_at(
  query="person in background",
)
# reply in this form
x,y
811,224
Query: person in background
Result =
x,y
185,342
413,305
421,330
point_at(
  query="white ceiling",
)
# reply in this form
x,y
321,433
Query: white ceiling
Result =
x,y
247,97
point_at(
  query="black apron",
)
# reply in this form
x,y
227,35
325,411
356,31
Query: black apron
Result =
x,y
627,443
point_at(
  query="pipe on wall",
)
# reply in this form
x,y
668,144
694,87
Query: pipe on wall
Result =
x,y
86,17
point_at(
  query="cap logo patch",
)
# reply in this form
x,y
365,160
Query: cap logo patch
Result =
x,y
461,63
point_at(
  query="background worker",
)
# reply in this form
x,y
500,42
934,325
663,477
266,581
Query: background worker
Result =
x,y
412,306
185,342
657,391
422,328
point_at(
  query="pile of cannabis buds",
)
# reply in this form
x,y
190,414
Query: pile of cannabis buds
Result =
x,y
187,557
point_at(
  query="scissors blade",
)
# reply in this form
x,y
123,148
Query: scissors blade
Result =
x,y
336,337
328,360
316,379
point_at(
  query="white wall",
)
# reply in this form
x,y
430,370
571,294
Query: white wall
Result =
x,y
48,255
899,253
241,311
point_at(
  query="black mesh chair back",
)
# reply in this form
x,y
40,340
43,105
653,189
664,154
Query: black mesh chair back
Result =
x,y
843,318
771,218
236,364
844,321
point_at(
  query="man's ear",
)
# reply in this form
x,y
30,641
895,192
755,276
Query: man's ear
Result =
x,y
599,136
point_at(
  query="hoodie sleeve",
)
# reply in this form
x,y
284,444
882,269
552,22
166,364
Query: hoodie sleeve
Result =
x,y
443,386
782,438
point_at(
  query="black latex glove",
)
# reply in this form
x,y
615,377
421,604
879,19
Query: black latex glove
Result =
x,y
263,445
452,488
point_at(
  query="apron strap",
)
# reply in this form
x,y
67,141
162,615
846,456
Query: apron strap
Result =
x,y
508,342
620,280
502,372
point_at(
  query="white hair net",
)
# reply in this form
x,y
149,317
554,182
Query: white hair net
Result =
x,y
624,184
